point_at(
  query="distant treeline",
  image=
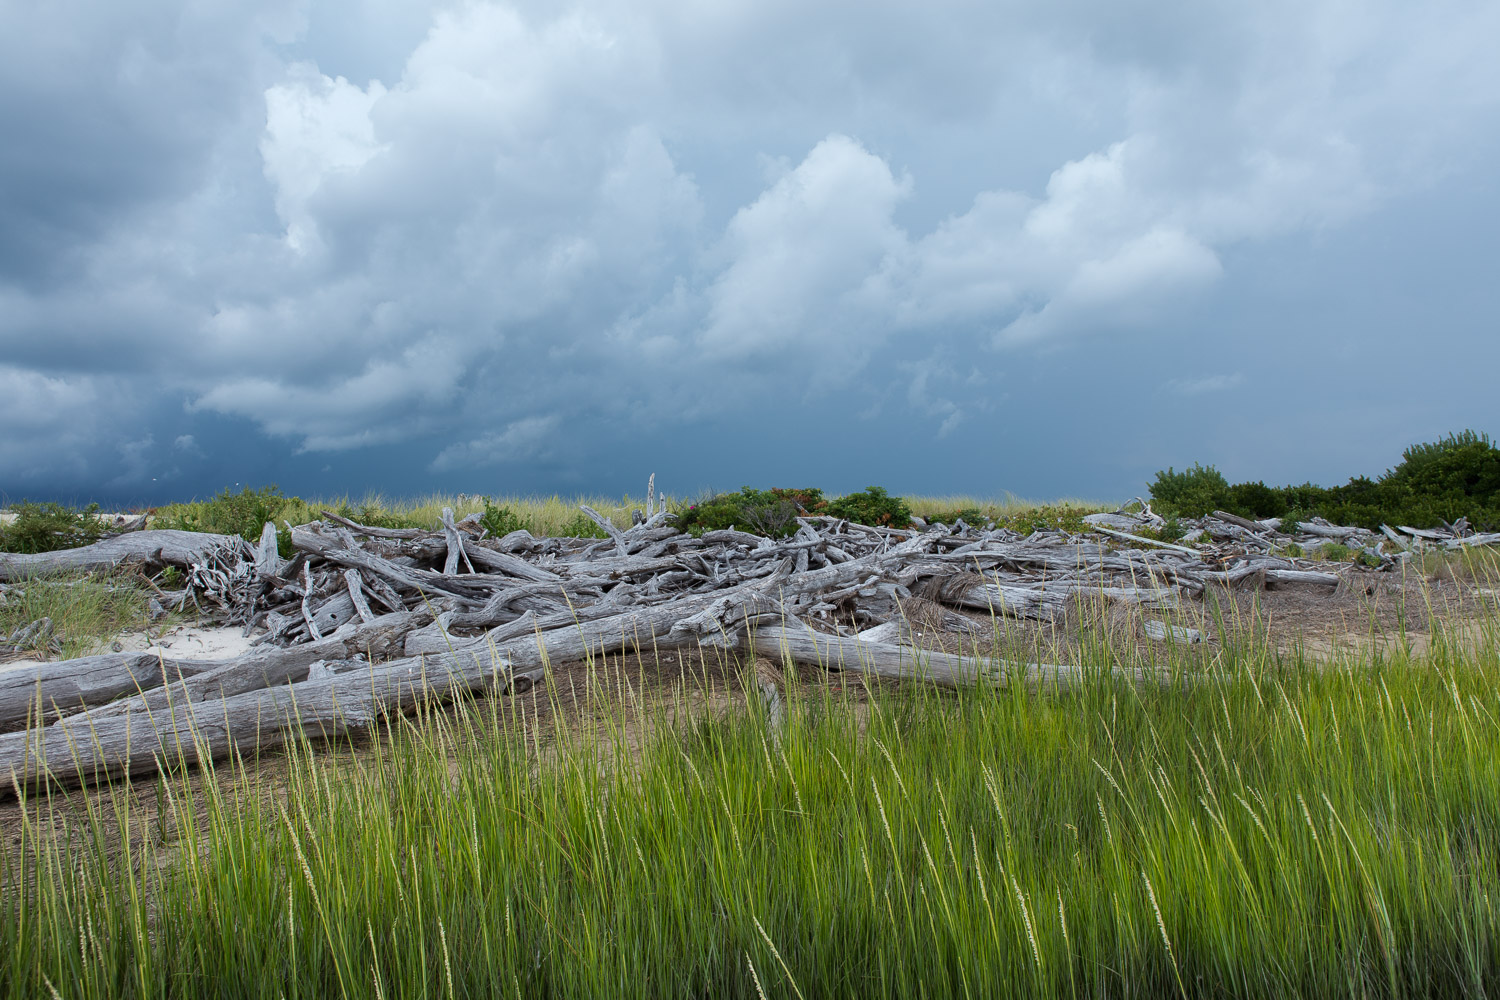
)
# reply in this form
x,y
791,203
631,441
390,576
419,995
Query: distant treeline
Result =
x,y
1458,476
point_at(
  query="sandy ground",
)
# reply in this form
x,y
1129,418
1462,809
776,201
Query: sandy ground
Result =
x,y
193,642
7,516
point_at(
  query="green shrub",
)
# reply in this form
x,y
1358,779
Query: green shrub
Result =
x,y
873,506
772,513
47,527
244,513
501,521
1193,492
373,516
1255,500
1169,530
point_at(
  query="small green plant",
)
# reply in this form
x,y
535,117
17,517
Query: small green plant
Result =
x,y
972,516
872,506
1170,530
501,521
374,516
48,527
1334,552
582,526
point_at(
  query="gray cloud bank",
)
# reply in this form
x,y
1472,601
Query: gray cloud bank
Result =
x,y
526,246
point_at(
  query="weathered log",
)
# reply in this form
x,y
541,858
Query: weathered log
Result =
x,y
1301,576
371,642
801,644
70,685
163,547
1254,527
1145,541
1160,631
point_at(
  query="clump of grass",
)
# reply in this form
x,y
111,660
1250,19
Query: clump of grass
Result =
x,y
84,611
1275,828
1473,565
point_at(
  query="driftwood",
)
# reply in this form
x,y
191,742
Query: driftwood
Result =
x,y
363,621
154,549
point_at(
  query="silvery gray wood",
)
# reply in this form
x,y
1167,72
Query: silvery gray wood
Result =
x,y
72,685
156,548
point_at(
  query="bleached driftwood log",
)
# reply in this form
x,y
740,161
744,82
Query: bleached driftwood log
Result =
x,y
154,549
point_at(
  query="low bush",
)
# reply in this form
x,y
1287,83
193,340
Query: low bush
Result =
x,y
499,521
47,527
873,506
772,513
582,526
1192,492
968,515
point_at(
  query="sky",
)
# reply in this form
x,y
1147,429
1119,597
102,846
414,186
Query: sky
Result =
x,y
949,248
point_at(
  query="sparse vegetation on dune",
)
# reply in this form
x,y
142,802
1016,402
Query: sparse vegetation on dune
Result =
x,y
79,612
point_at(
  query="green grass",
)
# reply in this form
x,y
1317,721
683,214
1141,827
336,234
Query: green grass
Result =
x,y
1275,829
85,610
554,515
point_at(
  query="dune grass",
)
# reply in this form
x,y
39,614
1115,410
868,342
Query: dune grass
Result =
x,y
84,609
245,513
1277,827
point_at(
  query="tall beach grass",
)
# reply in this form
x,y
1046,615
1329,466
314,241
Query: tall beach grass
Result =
x,y
1262,826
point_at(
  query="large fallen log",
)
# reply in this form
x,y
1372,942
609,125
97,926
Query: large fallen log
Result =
x,y
154,549
801,644
34,691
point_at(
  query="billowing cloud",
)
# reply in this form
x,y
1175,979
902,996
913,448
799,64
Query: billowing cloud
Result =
x,y
519,440
614,223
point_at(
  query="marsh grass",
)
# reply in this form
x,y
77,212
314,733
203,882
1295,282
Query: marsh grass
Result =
x,y
85,610
1263,825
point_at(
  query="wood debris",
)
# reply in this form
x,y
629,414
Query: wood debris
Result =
x,y
363,621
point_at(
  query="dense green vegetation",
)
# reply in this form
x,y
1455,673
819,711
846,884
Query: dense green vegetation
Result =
x,y
1276,829
774,512
1458,476
47,527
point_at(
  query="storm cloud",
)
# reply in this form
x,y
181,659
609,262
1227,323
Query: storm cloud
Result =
x,y
1044,248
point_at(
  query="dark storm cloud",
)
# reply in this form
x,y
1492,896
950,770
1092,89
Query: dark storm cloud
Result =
x,y
493,240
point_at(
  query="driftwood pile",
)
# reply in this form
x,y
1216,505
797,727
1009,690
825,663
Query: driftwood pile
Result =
x,y
365,621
